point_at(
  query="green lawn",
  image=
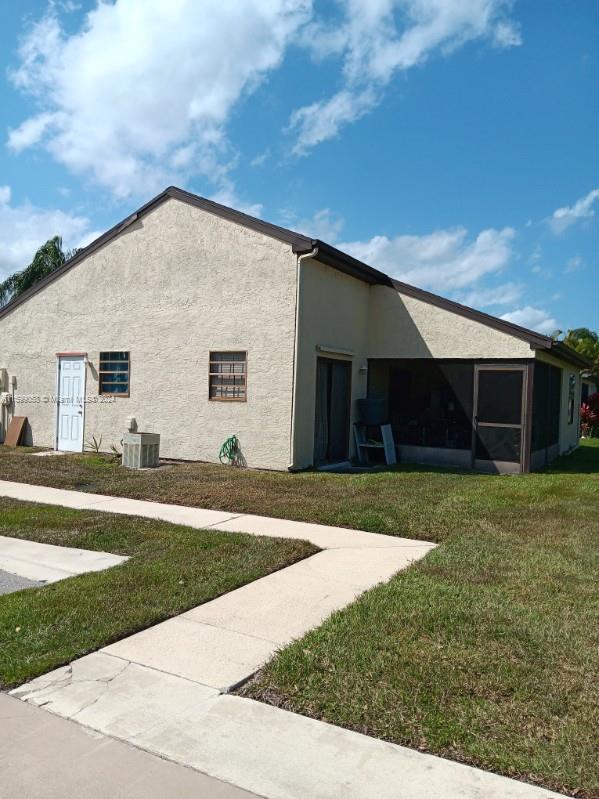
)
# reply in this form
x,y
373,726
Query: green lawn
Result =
x,y
484,652
408,501
170,570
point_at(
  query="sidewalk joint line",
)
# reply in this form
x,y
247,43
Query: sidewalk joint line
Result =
x,y
155,668
220,626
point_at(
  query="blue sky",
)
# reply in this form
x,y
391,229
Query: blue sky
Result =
x,y
451,143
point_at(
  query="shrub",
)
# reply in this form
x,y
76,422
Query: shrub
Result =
x,y
589,417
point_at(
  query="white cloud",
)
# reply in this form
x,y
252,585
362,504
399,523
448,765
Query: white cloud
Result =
x,y
30,132
536,255
140,95
228,196
533,318
322,120
24,228
442,261
453,263
88,238
505,294
569,215
379,38
506,34
324,225
574,264
261,158
535,259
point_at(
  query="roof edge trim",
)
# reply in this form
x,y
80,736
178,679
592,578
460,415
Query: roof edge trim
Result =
x,y
298,242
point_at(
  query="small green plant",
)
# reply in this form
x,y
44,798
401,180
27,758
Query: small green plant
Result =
x,y
117,453
93,444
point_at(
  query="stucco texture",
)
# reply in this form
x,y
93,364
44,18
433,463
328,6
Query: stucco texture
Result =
x,y
404,327
173,286
180,282
333,323
339,312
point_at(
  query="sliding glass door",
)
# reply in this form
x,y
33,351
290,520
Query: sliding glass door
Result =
x,y
333,397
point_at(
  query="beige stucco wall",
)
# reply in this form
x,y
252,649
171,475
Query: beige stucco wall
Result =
x,y
173,286
338,312
333,316
404,327
181,282
569,434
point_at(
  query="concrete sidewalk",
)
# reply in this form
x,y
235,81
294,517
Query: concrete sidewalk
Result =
x,y
164,689
46,757
47,563
262,749
320,535
224,642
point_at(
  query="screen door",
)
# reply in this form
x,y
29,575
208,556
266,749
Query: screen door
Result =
x,y
499,418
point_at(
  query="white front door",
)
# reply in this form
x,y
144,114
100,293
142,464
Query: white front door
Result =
x,y
71,396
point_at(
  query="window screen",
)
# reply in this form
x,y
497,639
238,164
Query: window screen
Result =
x,y
499,443
429,402
114,373
500,396
546,405
228,376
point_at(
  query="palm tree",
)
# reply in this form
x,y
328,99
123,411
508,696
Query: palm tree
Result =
x,y
49,257
586,342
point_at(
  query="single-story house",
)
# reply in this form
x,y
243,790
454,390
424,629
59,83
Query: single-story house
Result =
x,y
202,322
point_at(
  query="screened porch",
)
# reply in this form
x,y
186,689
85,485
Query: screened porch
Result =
x,y
482,415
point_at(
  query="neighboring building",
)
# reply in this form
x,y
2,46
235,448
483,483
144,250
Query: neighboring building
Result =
x,y
201,322
590,385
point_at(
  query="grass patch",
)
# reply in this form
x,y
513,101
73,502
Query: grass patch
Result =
x,y
485,652
170,570
413,501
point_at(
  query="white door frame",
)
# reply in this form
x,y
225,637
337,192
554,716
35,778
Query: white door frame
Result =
x,y
59,357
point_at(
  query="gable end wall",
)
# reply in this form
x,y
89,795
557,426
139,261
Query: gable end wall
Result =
x,y
174,285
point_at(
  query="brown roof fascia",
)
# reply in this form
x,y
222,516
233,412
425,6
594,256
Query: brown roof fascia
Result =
x,y
566,353
298,242
351,266
327,255
331,256
83,253
340,260
536,340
